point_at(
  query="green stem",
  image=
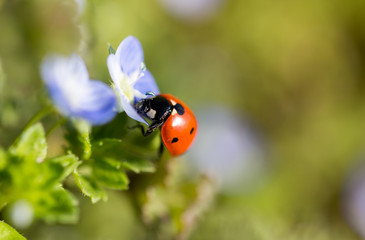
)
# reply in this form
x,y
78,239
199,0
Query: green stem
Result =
x,y
55,125
38,116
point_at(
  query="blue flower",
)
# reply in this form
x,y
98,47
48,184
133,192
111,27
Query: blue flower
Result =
x,y
131,80
73,93
193,11
353,198
235,141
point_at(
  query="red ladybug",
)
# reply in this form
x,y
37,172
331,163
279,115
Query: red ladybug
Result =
x,y
178,122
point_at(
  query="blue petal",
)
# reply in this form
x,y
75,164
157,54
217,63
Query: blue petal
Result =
x,y
59,71
130,110
146,84
130,55
73,93
59,99
96,104
114,68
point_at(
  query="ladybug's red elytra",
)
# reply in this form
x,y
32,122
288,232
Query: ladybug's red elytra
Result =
x,y
177,121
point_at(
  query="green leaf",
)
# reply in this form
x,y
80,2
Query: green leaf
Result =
x,y
111,49
90,187
115,148
5,187
9,233
108,172
117,128
58,168
107,147
138,165
57,206
78,138
32,144
3,159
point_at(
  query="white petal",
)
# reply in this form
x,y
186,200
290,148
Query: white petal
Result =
x,y
114,68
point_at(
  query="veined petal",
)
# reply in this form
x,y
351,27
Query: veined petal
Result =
x,y
59,69
73,93
125,68
59,98
130,110
97,103
115,70
130,55
146,84
60,73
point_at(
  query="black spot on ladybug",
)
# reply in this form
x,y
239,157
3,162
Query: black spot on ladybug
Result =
x,y
179,109
191,131
174,140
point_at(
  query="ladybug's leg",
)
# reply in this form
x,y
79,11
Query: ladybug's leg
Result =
x,y
153,127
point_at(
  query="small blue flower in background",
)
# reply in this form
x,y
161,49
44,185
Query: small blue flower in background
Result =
x,y
74,94
228,150
193,11
353,199
131,80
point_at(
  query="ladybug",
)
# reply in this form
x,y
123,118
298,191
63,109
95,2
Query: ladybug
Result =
x,y
177,121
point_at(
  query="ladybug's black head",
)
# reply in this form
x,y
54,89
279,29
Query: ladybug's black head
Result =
x,y
143,106
156,108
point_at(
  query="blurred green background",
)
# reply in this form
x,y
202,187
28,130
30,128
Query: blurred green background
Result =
x,y
296,69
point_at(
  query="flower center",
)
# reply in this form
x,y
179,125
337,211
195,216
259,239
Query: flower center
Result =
x,y
125,84
127,88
